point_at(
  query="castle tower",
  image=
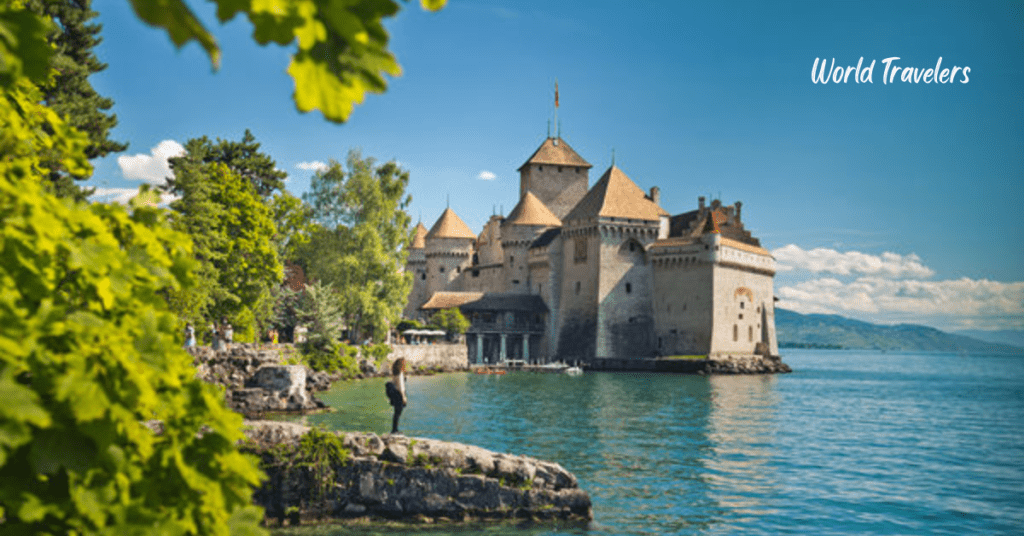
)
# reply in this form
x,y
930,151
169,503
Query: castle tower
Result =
x,y
416,264
714,287
523,225
449,246
606,288
556,175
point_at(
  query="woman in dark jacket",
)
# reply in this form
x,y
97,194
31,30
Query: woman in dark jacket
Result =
x,y
395,390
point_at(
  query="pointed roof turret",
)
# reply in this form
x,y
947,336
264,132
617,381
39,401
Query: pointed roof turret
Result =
x,y
532,211
420,240
450,225
555,151
615,195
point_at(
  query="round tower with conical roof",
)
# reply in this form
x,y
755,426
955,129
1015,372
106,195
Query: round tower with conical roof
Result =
x,y
416,264
449,250
523,225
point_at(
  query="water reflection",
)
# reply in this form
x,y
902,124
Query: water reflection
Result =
x,y
742,437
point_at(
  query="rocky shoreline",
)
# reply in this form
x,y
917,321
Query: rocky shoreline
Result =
x,y
317,476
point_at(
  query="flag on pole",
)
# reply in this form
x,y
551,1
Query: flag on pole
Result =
x,y
556,94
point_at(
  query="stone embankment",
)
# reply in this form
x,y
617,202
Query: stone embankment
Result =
x,y
334,476
745,365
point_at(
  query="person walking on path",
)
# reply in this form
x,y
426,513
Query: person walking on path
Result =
x,y
395,389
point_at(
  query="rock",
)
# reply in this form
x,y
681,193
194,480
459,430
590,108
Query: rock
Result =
x,y
258,381
410,479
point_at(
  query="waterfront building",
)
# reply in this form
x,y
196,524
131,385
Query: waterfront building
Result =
x,y
582,274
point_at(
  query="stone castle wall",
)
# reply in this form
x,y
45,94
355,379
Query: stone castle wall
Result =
x,y
446,357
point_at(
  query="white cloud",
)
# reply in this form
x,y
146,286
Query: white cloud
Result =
x,y
122,196
152,168
486,176
315,165
950,304
822,260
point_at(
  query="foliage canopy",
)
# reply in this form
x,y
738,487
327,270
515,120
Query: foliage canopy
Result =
x,y
342,46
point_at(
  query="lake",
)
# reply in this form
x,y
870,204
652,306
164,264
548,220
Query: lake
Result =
x,y
850,443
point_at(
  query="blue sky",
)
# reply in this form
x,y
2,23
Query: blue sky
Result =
x,y
885,202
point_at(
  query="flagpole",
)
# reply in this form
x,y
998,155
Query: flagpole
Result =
x,y
557,130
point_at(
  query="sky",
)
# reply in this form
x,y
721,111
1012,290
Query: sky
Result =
x,y
890,202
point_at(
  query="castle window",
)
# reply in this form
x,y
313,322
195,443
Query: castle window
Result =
x,y
512,259
735,333
632,246
441,269
515,281
741,305
577,288
423,276
750,333
559,169
476,273
741,316
580,254
577,170
629,288
538,289
540,168
458,269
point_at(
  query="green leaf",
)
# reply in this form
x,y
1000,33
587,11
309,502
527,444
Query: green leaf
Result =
x,y
433,5
181,24
23,47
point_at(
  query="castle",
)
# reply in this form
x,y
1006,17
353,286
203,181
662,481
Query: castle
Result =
x,y
582,274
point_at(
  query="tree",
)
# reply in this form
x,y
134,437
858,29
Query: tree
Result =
x,y
342,46
364,241
232,231
69,93
88,349
450,320
295,226
242,157
88,352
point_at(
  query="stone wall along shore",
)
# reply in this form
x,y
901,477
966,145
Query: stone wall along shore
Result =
x,y
403,478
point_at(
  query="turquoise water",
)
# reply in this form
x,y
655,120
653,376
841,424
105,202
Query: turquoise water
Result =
x,y
850,443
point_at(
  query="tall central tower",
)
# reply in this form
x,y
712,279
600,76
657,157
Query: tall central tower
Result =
x,y
556,175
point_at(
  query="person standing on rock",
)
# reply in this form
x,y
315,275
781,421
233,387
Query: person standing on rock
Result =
x,y
395,389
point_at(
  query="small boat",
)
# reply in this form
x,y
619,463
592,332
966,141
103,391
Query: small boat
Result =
x,y
484,370
573,371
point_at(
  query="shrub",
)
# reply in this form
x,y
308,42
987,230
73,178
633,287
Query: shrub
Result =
x,y
331,356
88,351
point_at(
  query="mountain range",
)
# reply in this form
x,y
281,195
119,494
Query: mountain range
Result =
x,y
795,330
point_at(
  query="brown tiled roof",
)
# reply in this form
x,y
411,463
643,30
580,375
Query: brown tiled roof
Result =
x,y
450,225
556,152
532,211
500,301
420,240
616,196
448,299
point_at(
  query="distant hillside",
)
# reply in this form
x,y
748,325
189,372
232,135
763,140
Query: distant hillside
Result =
x,y
795,330
1012,337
